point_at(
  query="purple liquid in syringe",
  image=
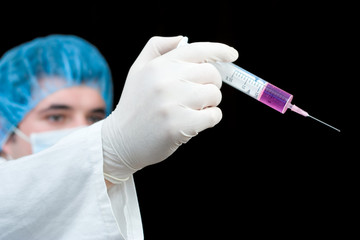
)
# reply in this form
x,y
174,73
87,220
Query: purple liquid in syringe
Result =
x,y
275,98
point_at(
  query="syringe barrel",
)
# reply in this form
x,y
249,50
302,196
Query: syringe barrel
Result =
x,y
254,86
275,98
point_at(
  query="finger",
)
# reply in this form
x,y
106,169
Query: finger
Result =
x,y
204,119
201,96
204,52
204,73
212,116
197,122
156,47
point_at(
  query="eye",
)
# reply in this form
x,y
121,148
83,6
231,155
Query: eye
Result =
x,y
56,118
95,118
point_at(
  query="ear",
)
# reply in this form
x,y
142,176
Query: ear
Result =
x,y
6,148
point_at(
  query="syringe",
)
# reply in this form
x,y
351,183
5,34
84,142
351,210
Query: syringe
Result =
x,y
258,88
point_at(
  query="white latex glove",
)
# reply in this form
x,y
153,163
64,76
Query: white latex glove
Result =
x,y
170,95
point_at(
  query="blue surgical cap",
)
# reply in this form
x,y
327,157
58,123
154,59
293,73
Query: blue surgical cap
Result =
x,y
36,69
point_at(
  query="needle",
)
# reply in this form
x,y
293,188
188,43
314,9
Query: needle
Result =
x,y
324,123
305,114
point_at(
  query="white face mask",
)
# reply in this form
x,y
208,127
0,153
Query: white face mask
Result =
x,y
44,140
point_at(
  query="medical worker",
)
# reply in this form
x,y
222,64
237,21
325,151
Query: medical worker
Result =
x,y
67,174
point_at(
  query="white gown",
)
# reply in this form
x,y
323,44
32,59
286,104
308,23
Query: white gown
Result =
x,y
60,193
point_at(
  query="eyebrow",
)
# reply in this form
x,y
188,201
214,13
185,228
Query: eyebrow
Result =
x,y
66,107
98,110
56,107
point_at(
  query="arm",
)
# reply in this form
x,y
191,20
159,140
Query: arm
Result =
x,y
64,183
170,95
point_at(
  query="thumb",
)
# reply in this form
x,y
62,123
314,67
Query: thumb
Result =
x,y
156,47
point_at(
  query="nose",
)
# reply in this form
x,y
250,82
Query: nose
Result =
x,y
80,120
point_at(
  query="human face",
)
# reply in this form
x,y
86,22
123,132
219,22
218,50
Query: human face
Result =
x,y
67,108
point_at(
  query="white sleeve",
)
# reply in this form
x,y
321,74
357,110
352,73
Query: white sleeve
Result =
x,y
60,193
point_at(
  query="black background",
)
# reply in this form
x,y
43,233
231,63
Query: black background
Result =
x,y
258,172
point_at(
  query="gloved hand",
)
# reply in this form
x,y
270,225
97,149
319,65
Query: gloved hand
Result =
x,y
170,95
